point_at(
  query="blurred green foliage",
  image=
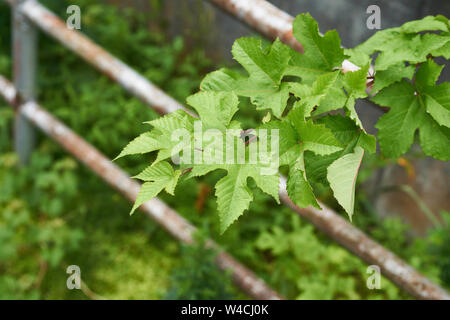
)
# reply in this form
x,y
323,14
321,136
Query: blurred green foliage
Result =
x,y
54,212
197,276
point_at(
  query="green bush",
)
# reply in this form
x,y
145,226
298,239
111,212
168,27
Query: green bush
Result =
x,y
198,277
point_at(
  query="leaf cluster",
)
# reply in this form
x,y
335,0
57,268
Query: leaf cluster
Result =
x,y
299,91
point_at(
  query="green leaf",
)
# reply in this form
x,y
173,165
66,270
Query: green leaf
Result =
x,y
233,194
394,73
298,188
397,127
263,66
379,41
273,100
320,89
409,110
435,139
368,142
159,176
146,142
413,48
335,98
357,57
347,132
322,53
428,74
318,139
220,80
216,109
355,82
429,23
436,99
342,175
266,68
437,102
443,51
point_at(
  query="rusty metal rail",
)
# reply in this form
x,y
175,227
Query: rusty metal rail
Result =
x,y
274,22
115,69
263,17
175,224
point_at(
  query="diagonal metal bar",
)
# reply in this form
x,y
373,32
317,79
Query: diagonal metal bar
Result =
x,y
326,220
168,218
115,69
263,17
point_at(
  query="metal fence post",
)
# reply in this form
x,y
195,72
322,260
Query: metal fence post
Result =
x,y
24,37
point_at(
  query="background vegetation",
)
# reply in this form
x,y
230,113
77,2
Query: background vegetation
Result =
x,y
55,213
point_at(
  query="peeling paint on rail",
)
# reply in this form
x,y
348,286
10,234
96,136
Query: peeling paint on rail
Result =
x,y
175,224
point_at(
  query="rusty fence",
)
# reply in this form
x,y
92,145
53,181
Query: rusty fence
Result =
x,y
260,15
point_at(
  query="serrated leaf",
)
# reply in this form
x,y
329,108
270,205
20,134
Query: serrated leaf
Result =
x,y
159,176
397,127
142,144
347,132
379,41
314,95
435,139
342,175
355,82
220,80
216,109
391,75
357,57
155,172
343,128
334,100
443,51
428,74
368,142
437,102
322,53
263,66
233,194
318,139
273,100
299,190
266,68
164,130
429,23
413,48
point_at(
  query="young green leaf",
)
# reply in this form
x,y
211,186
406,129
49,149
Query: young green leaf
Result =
x,y
394,73
424,107
145,143
397,127
322,53
158,176
342,175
